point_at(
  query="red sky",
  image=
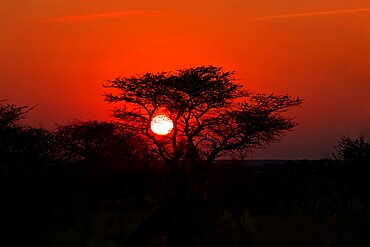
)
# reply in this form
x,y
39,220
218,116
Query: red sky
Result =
x,y
57,53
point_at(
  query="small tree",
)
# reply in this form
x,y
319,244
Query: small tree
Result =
x,y
99,141
213,116
353,149
20,142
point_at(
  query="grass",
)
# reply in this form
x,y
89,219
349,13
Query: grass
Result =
x,y
294,204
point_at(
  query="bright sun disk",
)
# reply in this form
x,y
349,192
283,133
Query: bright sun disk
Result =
x,y
161,125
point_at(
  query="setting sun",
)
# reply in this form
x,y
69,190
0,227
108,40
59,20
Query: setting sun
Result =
x,y
161,125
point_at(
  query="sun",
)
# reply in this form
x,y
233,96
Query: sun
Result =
x,y
161,125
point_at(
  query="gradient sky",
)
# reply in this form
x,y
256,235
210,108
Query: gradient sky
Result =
x,y
55,54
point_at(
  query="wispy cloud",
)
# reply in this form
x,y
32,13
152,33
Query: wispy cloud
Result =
x,y
308,14
109,15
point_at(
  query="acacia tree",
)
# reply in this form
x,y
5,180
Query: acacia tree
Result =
x,y
213,116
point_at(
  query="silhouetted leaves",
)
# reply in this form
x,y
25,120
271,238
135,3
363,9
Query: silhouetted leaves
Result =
x,y
213,116
100,141
11,114
19,142
353,149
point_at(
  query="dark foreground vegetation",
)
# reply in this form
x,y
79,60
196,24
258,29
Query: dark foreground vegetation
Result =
x,y
90,183
306,203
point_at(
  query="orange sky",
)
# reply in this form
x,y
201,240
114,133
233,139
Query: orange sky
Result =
x,y
57,53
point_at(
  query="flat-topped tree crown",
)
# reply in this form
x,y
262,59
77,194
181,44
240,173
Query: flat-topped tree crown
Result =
x,y
212,115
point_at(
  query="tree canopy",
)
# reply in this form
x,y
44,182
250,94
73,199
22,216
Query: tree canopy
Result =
x,y
213,115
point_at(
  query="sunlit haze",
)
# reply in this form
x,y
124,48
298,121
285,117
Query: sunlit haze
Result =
x,y
55,54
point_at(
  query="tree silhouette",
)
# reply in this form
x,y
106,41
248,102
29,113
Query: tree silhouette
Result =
x,y
353,149
213,116
99,141
20,142
11,114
